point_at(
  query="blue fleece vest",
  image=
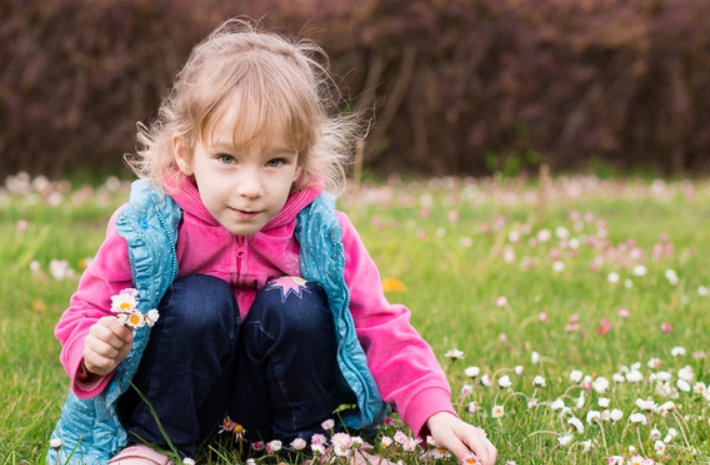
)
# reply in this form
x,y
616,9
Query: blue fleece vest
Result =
x,y
90,430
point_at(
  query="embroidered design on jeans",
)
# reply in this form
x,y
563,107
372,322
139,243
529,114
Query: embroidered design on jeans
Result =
x,y
289,285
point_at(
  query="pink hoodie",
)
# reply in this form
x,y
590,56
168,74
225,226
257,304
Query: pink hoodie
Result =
x,y
402,363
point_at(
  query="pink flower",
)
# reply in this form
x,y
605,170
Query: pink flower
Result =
x,y
572,327
470,459
666,327
454,354
328,425
411,444
604,327
318,449
227,425
623,313
258,446
317,439
60,269
400,437
298,444
125,301
341,440
273,446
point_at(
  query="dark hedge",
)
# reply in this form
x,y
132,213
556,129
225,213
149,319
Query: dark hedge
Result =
x,y
455,86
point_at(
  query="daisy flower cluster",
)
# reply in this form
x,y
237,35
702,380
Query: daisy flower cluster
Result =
x,y
125,306
657,412
40,190
392,444
582,239
29,192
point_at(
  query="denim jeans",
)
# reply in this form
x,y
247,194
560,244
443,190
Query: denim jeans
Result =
x,y
275,373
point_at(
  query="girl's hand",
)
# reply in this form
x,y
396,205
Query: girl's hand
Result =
x,y
107,344
461,438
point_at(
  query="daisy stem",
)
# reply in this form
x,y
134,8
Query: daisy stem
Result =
x,y
513,394
626,428
601,428
574,386
638,435
681,422
554,433
527,321
499,371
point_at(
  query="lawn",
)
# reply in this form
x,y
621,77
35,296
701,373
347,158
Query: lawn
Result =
x,y
571,319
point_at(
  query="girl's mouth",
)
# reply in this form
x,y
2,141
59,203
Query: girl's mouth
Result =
x,y
244,214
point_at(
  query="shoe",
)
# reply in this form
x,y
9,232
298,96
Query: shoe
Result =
x,y
140,454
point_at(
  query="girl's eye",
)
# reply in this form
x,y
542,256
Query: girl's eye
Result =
x,y
275,163
226,159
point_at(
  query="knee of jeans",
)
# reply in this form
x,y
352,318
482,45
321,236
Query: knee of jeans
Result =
x,y
202,303
302,313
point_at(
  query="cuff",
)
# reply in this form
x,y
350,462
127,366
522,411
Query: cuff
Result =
x,y
87,384
425,404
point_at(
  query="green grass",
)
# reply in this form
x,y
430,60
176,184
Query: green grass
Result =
x,y
454,268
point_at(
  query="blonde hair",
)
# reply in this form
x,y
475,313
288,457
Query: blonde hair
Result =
x,y
276,84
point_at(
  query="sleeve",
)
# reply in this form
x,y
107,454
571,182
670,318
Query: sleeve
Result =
x,y
404,366
108,273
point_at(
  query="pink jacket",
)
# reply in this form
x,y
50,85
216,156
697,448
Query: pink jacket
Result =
x,y
402,363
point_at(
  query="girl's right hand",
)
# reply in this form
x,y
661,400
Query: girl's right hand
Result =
x,y
107,344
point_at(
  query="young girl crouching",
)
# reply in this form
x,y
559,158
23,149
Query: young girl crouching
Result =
x,y
270,311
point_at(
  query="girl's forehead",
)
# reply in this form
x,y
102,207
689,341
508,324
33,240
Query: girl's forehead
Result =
x,y
265,145
244,126
229,129
262,141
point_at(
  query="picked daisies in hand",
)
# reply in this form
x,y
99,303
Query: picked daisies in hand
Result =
x,y
125,306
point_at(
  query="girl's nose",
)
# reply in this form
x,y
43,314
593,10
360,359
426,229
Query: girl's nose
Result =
x,y
250,186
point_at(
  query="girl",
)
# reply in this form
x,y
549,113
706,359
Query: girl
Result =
x,y
270,311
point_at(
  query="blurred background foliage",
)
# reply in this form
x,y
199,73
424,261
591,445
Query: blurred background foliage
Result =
x,y
454,86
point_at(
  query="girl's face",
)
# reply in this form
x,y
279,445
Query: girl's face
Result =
x,y
243,190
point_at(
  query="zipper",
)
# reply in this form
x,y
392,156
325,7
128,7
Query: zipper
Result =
x,y
240,241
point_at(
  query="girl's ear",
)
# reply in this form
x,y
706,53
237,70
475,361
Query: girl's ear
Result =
x,y
182,156
297,174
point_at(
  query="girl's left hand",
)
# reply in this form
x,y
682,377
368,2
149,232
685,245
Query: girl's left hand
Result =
x,y
461,438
